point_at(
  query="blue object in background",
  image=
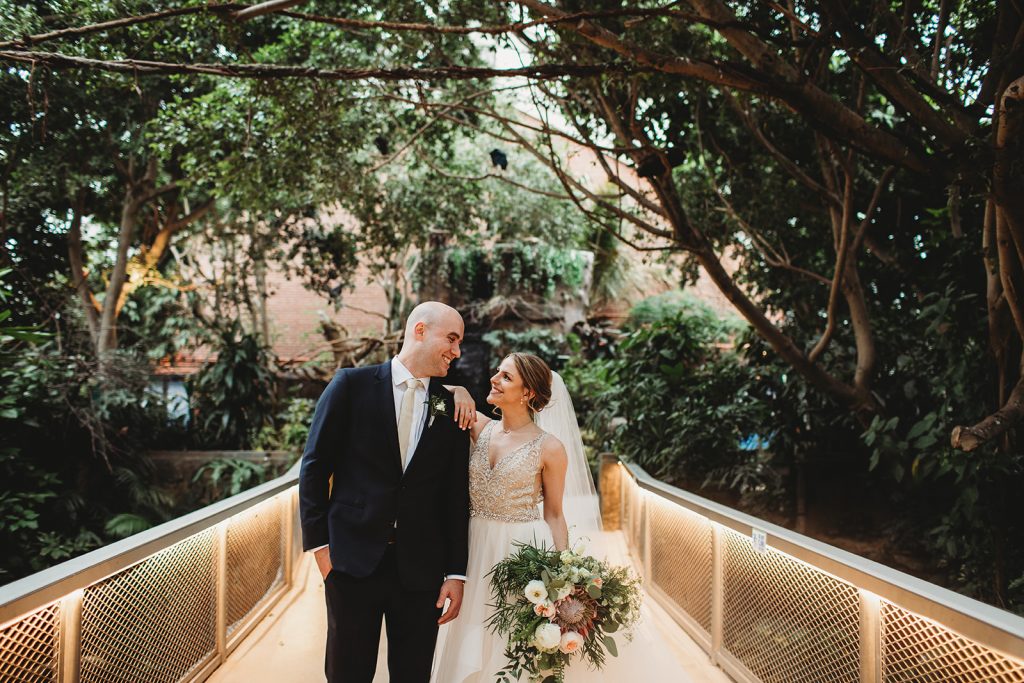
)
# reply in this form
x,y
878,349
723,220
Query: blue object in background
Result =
x,y
754,442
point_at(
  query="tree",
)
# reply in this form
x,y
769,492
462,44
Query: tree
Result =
x,y
77,157
868,87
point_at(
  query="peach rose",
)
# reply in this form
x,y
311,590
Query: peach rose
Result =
x,y
544,609
571,641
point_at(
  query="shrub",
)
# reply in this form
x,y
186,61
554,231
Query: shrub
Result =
x,y
675,399
233,398
290,429
548,345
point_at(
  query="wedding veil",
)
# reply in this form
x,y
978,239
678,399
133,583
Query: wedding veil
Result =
x,y
579,502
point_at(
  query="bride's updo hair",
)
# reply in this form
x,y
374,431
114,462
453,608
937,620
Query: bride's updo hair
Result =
x,y
536,377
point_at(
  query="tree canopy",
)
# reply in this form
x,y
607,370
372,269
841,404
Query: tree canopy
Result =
x,y
862,119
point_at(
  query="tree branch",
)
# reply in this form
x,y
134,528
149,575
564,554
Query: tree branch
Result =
x,y
842,245
787,163
720,74
862,229
612,176
78,31
76,258
495,176
568,18
888,77
571,183
995,425
770,255
57,60
817,107
938,40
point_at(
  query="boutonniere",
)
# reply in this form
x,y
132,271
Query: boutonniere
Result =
x,y
437,407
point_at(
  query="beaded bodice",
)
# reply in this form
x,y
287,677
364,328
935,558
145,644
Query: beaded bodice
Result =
x,y
508,492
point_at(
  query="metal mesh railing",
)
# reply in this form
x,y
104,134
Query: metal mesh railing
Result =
x,y
155,621
29,648
804,612
632,516
787,622
918,649
679,533
155,608
252,576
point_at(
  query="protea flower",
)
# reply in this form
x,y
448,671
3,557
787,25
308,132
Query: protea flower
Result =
x,y
576,612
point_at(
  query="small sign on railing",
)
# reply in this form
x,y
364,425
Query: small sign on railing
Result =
x,y
759,541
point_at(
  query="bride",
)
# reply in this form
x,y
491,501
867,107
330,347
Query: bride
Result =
x,y
529,482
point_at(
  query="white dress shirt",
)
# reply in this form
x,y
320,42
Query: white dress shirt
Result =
x,y
399,376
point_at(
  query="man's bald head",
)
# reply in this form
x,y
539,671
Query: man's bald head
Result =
x,y
433,335
430,313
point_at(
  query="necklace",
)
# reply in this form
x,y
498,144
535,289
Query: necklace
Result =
x,y
506,430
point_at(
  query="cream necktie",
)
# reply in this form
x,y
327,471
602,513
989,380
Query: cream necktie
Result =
x,y
405,418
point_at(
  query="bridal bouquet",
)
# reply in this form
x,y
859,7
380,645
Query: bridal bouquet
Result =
x,y
553,605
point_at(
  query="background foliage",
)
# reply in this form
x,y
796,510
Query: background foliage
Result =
x,y
813,184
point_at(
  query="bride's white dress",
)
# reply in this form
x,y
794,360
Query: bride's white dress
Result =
x,y
505,508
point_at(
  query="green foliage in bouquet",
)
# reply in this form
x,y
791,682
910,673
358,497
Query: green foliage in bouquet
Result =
x,y
551,605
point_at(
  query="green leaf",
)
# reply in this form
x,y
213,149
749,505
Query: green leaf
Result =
x,y
926,442
873,462
917,429
609,644
126,524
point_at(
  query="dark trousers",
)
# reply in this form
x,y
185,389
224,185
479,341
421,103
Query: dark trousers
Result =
x,y
355,608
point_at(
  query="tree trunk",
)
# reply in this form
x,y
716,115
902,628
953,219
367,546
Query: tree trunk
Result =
x,y
1006,210
106,341
860,321
78,275
260,271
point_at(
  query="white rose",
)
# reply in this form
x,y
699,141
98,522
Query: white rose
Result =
x,y
536,592
547,636
571,641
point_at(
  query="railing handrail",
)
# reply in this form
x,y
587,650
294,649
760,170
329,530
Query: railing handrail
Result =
x,y
988,625
40,589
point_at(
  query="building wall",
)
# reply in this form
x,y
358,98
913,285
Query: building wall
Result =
x,y
295,314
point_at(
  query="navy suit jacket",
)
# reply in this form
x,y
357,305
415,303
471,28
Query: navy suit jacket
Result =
x,y
354,437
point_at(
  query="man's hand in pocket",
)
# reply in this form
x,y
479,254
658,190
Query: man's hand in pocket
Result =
x,y
323,561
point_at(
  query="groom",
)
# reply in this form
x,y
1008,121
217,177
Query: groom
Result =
x,y
384,501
